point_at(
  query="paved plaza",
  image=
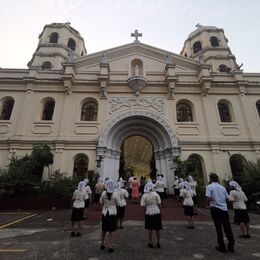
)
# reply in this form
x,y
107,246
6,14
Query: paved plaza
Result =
x,y
46,235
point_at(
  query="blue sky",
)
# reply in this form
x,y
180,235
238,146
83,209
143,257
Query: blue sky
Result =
x,y
108,23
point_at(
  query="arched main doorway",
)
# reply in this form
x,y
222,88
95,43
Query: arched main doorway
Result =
x,y
138,123
137,158
237,162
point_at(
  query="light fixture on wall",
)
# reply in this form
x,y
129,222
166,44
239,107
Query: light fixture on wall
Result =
x,y
99,160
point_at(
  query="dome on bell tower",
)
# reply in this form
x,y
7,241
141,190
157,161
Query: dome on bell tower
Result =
x,y
58,43
208,44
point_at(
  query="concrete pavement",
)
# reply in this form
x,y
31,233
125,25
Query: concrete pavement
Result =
x,y
46,235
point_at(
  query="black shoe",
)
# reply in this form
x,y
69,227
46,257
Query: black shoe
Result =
x,y
72,234
78,234
190,227
221,249
150,245
247,236
102,247
121,227
231,249
111,250
158,245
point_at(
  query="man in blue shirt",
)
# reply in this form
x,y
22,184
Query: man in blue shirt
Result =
x,y
217,197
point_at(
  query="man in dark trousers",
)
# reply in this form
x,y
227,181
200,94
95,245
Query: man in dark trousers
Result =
x,y
217,197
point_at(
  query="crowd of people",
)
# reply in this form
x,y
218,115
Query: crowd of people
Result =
x,y
111,198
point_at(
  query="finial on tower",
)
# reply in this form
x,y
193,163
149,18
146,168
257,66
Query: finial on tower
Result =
x,y
198,25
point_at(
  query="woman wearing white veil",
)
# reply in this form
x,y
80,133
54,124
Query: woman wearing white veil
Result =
x,y
241,217
153,213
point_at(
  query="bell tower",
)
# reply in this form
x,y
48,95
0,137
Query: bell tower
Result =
x,y
208,44
58,43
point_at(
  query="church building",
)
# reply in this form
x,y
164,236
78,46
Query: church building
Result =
x,y
132,109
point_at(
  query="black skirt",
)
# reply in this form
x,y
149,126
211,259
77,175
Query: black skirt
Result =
x,y
97,197
188,211
161,194
241,216
108,223
120,212
77,214
176,192
86,203
153,222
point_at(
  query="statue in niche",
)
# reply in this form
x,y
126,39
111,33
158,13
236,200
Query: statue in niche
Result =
x,y
137,70
70,56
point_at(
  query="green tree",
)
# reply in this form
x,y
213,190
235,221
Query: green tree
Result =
x,y
24,173
250,179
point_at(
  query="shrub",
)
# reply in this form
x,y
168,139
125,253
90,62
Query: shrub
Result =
x,y
59,186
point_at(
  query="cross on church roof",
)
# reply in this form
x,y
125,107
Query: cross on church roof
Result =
x,y
136,34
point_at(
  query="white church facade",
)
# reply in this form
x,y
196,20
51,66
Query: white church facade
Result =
x,y
198,103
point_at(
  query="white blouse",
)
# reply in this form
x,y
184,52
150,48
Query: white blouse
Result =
x,y
159,186
187,196
150,200
238,198
123,194
109,205
79,198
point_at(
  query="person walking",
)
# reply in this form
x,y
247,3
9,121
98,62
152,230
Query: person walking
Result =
x,y
77,215
193,185
110,200
153,213
238,197
123,195
217,196
187,194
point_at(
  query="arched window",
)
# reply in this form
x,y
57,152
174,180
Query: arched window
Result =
x,y
46,65
80,168
54,37
185,54
237,162
224,113
258,107
71,44
214,41
195,167
89,111
48,110
7,109
222,68
184,112
197,47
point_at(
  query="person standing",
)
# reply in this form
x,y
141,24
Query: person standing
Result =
x,y
187,194
218,197
123,195
99,187
89,192
159,187
238,197
135,190
176,187
79,197
130,180
153,213
110,200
